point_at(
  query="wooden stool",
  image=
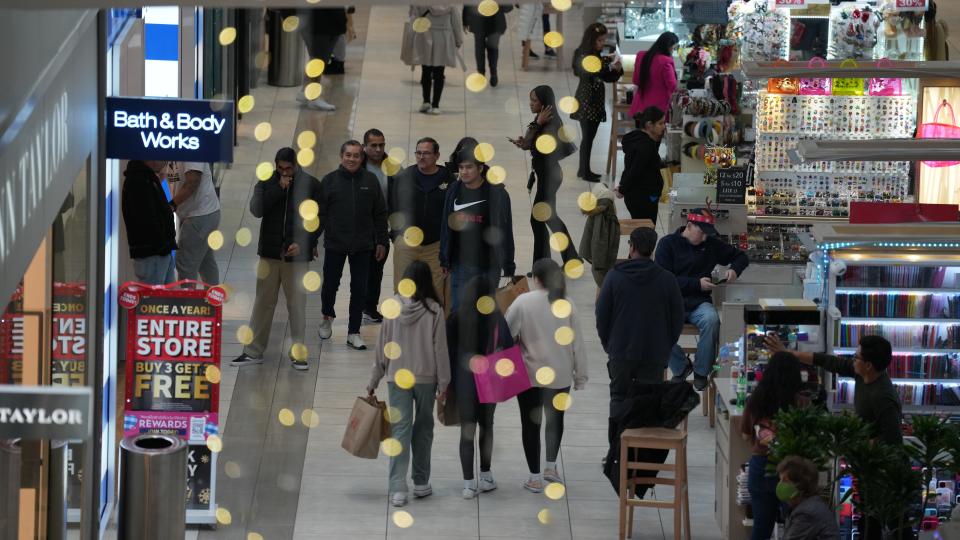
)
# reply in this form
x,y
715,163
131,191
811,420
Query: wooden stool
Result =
x,y
658,439
620,124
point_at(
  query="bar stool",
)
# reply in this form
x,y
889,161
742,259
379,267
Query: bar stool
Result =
x,y
656,439
620,124
710,392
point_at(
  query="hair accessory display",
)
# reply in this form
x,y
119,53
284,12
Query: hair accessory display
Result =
x,y
854,29
763,33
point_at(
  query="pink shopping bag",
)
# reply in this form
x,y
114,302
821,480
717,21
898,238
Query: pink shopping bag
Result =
x,y
884,86
939,130
815,86
500,375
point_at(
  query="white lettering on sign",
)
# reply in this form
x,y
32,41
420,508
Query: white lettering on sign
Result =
x,y
911,5
32,173
184,122
28,415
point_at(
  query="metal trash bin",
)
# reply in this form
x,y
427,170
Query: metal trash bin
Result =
x,y
153,487
10,465
286,51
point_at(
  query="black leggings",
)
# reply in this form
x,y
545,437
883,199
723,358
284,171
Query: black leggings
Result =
x,y
534,403
641,207
432,76
549,178
486,47
589,130
482,418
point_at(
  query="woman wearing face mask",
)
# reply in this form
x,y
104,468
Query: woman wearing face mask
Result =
x,y
590,91
546,168
655,75
776,391
641,182
810,518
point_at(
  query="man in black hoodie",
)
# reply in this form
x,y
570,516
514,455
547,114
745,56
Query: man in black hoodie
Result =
x,y
639,318
289,229
353,218
149,220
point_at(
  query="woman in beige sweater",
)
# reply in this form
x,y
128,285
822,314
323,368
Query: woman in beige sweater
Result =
x,y
412,352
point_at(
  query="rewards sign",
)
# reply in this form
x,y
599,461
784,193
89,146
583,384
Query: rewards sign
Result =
x,y
173,375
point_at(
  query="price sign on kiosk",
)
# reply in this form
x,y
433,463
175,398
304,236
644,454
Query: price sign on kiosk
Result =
x,y
732,185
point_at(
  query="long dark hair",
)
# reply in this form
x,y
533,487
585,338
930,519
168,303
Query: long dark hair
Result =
x,y
778,388
662,45
548,272
455,156
419,273
590,35
476,329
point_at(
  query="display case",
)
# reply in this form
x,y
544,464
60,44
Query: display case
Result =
x,y
901,282
795,321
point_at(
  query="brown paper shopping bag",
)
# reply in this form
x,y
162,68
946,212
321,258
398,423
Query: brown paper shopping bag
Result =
x,y
447,412
365,428
506,295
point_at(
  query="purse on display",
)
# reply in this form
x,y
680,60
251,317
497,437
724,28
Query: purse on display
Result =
x,y
784,85
940,130
815,86
885,86
848,86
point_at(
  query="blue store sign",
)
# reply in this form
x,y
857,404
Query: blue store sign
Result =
x,y
170,129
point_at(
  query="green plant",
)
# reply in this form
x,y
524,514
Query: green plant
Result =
x,y
800,433
937,437
887,484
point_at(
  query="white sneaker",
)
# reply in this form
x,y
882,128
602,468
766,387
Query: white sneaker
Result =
x,y
434,110
326,328
354,341
487,484
398,499
425,108
321,104
422,491
469,489
552,475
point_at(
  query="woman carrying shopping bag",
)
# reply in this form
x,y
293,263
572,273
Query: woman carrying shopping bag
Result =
x,y
434,49
412,351
475,329
538,320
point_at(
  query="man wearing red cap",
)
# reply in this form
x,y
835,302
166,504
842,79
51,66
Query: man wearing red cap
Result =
x,y
691,253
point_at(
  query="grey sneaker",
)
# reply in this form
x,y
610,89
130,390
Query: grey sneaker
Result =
x,y
299,365
398,499
321,104
487,484
425,108
326,327
422,491
245,360
354,341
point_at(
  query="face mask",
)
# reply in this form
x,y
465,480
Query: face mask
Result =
x,y
786,492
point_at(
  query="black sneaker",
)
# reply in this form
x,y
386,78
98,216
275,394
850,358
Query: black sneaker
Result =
x,y
299,365
494,81
534,55
686,373
373,317
700,382
550,52
335,67
245,360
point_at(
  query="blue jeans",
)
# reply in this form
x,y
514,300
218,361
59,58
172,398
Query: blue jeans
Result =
x,y
155,269
461,274
763,498
414,430
705,318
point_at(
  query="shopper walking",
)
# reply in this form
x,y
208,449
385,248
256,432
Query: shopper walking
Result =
x,y
285,248
655,75
691,253
777,391
149,220
471,332
809,517
420,336
320,29
641,183
476,230
197,205
486,31
374,153
353,220
529,14
535,319
590,91
547,171
434,50
415,200
638,341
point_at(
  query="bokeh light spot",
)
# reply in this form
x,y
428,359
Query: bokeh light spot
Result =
x,y
413,236
390,308
591,63
404,378
484,152
315,67
392,414
563,336
245,335
291,23
476,82
223,516
312,224
311,281
587,201
562,401
312,91
309,209
390,166
496,175
227,36
244,236
212,374
488,8
263,269
543,516
215,240
233,469
245,104
568,104
559,241
554,491
255,535
573,268
407,287
263,131
479,364
299,352
561,308
310,418
307,139
561,5
392,350
264,171
486,305
421,25
541,211
546,375
305,157
402,519
214,443
567,133
553,39
504,367
397,154
546,144
286,417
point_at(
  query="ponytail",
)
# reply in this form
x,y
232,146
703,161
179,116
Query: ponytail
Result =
x,y
548,272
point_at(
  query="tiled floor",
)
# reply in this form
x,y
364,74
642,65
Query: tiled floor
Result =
x,y
296,482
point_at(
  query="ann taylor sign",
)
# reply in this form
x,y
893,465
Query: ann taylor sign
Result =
x,y
45,412
169,129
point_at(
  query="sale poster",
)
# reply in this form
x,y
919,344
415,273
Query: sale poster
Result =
x,y
173,374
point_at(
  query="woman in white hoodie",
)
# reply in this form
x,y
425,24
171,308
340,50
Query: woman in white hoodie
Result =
x,y
540,321
415,345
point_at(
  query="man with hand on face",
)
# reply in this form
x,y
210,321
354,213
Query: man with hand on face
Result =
x,y
374,153
415,200
287,245
691,253
353,218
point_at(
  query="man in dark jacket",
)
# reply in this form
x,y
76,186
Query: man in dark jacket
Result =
x,y
639,318
415,199
149,219
476,232
691,253
289,225
353,218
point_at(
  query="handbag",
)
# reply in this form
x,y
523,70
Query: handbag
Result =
x,y
783,85
500,375
447,412
848,86
939,130
815,86
885,86
406,44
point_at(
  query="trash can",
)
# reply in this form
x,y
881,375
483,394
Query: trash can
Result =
x,y
286,51
153,487
10,465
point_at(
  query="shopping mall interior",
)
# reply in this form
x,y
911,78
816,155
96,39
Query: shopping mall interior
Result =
x,y
809,145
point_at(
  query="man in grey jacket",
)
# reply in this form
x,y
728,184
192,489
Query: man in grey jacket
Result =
x,y
353,219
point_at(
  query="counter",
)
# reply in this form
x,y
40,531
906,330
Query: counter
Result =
x,y
731,452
